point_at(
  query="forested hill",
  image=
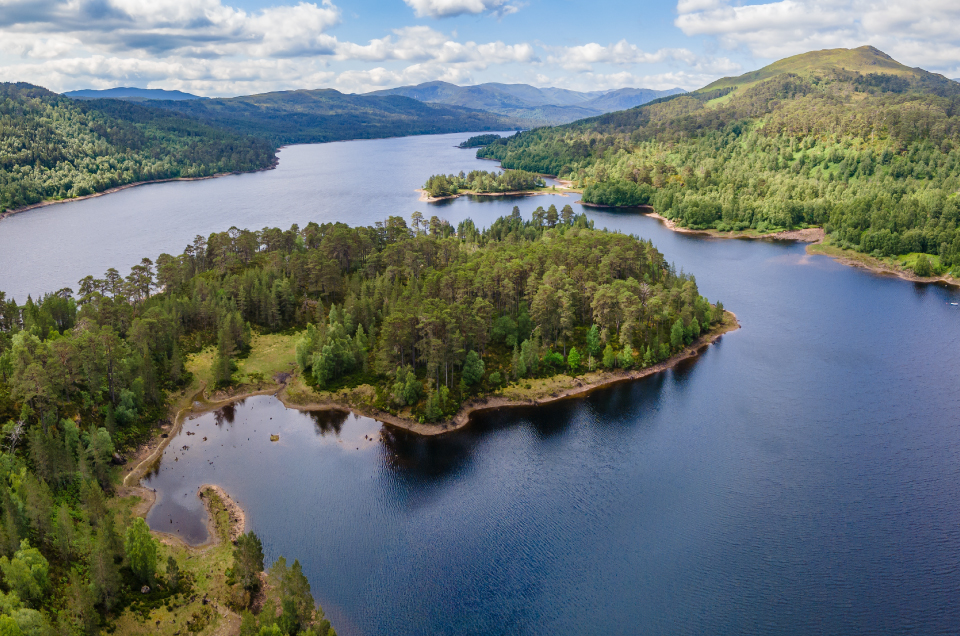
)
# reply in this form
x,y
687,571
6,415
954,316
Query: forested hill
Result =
x,y
313,116
848,139
52,147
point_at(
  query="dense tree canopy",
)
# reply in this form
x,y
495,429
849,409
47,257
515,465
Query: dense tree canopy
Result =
x,y
52,147
440,185
479,140
873,158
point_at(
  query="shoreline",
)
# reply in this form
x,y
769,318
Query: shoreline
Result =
x,y
462,417
126,186
236,517
199,404
874,265
817,245
807,235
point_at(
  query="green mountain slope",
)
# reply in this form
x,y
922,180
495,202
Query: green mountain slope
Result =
x,y
529,103
311,116
864,60
53,147
851,140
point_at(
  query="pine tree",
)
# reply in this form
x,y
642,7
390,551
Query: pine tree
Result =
x,y
248,560
676,335
609,359
472,368
173,574
594,346
141,549
518,367
63,533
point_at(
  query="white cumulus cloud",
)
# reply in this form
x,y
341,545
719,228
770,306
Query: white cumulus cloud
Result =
x,y
450,8
917,33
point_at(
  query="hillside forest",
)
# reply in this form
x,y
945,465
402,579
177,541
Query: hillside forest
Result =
x,y
53,147
874,158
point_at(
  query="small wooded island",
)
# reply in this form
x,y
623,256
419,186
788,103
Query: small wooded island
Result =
x,y
482,182
478,141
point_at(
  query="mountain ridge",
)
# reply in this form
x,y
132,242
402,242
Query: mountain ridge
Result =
x,y
865,61
326,114
130,93
526,102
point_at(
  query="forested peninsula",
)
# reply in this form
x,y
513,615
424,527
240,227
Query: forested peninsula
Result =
x,y
411,322
849,140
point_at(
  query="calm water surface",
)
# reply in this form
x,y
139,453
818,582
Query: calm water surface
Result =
x,y
801,477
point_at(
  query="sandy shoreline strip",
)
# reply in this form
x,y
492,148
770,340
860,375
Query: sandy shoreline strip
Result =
x,y
237,517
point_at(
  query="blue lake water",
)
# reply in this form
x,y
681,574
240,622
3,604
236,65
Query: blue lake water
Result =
x,y
801,477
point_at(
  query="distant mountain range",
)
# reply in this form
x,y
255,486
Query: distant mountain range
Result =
x,y
130,94
536,106
516,104
315,116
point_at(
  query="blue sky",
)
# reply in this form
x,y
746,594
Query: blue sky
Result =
x,y
233,47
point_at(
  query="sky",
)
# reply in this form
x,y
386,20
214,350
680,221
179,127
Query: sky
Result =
x,y
240,47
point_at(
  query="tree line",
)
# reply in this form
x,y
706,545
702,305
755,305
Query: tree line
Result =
x,y
874,159
479,140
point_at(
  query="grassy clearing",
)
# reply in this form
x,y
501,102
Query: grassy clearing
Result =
x,y
909,261
201,365
269,354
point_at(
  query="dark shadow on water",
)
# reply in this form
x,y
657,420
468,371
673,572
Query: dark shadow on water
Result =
x,y
430,459
227,413
328,421
637,396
